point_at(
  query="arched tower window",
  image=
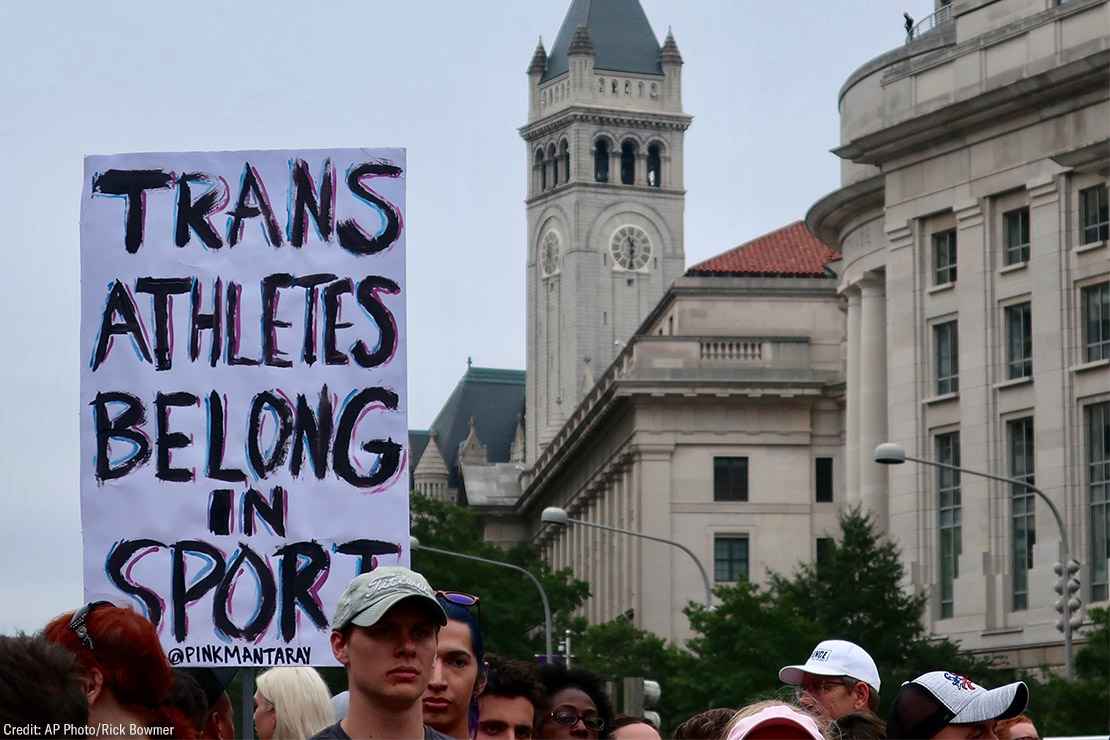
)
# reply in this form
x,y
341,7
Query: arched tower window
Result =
x,y
628,162
554,165
542,174
564,157
654,166
601,160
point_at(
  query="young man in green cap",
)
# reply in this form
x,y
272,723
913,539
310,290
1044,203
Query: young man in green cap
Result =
x,y
384,632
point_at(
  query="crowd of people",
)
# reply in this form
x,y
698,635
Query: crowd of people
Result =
x,y
417,668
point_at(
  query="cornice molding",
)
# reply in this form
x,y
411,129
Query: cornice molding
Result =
x,y
605,117
1028,95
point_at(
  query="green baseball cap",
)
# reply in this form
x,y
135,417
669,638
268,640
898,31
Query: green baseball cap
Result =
x,y
370,595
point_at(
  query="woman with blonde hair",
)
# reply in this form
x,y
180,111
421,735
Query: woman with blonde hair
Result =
x,y
291,704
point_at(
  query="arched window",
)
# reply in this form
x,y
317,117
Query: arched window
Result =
x,y
564,157
601,85
554,165
628,162
542,180
601,160
654,166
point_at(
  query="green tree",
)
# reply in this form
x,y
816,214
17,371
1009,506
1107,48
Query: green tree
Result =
x,y
510,607
618,649
857,595
1081,706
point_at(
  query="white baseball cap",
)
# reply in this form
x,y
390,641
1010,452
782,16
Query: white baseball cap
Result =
x,y
834,658
928,703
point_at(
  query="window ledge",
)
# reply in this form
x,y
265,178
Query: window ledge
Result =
x,y
1002,631
1013,382
941,398
940,288
1090,246
1012,268
1092,365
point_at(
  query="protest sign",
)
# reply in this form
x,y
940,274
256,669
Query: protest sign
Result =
x,y
243,413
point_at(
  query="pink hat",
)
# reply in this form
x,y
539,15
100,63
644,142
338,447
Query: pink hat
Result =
x,y
779,714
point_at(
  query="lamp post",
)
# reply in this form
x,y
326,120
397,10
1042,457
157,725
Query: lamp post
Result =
x,y
559,517
890,453
414,544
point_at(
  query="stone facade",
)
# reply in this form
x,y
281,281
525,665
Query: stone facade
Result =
x,y
969,157
582,304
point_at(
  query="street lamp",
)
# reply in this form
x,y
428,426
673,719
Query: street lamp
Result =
x,y
890,453
559,517
414,544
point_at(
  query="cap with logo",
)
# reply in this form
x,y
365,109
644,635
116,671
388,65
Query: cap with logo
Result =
x,y
834,658
370,595
925,705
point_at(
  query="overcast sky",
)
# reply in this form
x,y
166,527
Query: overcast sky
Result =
x,y
444,79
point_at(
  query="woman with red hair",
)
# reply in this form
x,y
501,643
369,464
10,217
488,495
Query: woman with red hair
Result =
x,y
126,675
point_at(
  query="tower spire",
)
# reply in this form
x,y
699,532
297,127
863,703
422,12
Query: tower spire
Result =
x,y
539,59
669,54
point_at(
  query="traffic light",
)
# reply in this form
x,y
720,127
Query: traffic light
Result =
x,y
1067,585
652,692
639,696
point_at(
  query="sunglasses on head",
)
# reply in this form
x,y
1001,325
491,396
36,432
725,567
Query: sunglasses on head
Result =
x,y
568,716
78,624
458,599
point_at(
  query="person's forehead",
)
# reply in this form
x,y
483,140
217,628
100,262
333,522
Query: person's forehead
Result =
x,y
574,696
1023,729
455,636
507,708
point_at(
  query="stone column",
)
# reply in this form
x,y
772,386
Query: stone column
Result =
x,y
872,395
658,583
635,586
851,442
619,563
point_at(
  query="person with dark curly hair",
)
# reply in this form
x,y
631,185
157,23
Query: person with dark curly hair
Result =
x,y
512,698
40,685
575,705
127,677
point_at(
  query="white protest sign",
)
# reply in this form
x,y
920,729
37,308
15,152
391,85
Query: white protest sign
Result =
x,y
244,445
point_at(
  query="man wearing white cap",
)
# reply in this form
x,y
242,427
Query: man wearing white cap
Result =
x,y
948,706
384,632
840,682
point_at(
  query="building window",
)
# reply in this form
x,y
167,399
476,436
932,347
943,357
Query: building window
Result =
x,y
1098,493
628,162
553,159
948,519
946,351
1096,322
730,479
1016,224
1019,341
654,166
944,257
824,478
730,559
1094,215
824,552
1023,531
542,169
564,157
601,161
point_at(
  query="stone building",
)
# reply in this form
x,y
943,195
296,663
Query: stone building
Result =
x,y
973,221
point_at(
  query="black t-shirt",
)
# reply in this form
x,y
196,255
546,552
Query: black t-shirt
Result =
x,y
335,732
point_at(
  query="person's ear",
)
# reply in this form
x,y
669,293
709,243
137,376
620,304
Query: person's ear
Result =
x,y
480,682
339,647
861,693
94,684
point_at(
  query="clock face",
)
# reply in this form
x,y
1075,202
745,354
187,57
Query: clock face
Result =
x,y
549,253
630,248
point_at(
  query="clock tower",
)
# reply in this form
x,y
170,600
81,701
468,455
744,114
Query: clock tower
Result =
x,y
605,199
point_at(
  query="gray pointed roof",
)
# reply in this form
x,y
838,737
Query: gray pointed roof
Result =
x,y
621,34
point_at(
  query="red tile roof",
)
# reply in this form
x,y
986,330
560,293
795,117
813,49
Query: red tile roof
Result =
x,y
792,251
